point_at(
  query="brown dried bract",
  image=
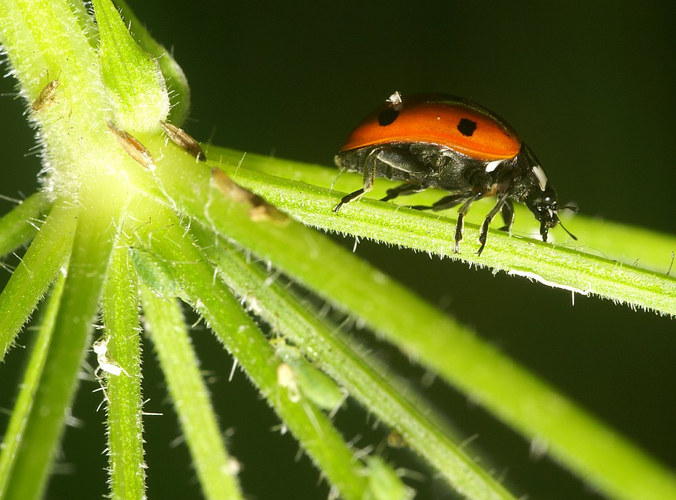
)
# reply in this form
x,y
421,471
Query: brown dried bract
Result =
x,y
267,212
46,97
229,188
184,141
260,209
132,146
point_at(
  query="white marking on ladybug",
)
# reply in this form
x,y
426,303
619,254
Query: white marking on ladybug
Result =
x,y
541,176
395,100
492,165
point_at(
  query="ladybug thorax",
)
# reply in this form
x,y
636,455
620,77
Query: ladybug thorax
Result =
x,y
442,120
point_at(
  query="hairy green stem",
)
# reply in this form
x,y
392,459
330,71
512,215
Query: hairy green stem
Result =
x,y
373,386
121,348
24,406
20,225
166,327
213,300
559,266
73,325
43,260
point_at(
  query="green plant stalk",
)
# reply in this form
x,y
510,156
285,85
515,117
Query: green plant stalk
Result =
x,y
12,440
373,386
44,41
574,438
74,322
38,268
631,245
119,303
237,331
19,226
556,266
166,327
43,36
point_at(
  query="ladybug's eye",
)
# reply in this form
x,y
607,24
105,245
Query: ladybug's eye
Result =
x,y
466,126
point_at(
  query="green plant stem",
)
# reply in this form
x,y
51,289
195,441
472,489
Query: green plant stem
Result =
x,y
119,305
23,408
19,226
510,392
557,266
44,41
637,247
373,387
74,321
215,303
38,268
166,327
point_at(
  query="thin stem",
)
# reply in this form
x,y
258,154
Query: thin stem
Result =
x,y
38,268
559,266
19,226
189,394
24,406
374,386
74,321
630,245
213,300
121,349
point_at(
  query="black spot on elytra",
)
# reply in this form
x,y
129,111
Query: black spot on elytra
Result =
x,y
387,116
466,127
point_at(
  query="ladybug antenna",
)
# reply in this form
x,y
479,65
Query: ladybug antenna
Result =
x,y
566,230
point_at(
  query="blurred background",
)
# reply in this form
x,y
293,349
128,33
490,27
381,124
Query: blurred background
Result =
x,y
590,86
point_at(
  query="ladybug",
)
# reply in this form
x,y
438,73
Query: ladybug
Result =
x,y
450,143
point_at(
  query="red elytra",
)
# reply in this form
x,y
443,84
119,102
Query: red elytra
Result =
x,y
442,120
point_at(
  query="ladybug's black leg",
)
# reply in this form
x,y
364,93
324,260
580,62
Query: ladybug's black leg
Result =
x,y
461,219
403,189
484,227
348,198
369,178
507,215
383,161
445,202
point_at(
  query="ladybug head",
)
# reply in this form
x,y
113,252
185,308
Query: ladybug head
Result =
x,y
544,205
538,193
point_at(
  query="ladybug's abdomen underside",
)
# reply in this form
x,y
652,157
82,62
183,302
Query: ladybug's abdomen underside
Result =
x,y
444,168
454,125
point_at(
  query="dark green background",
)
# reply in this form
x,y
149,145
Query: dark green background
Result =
x,y
590,87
